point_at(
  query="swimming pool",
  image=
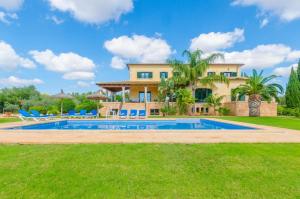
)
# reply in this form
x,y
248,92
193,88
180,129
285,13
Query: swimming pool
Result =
x,y
178,124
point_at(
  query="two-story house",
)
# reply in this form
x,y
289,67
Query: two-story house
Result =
x,y
141,90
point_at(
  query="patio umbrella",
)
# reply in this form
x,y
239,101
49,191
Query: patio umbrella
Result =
x,y
97,96
62,96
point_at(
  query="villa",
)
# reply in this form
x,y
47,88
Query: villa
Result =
x,y
141,91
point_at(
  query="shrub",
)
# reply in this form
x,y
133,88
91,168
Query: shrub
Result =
x,y
297,112
224,111
168,110
41,109
184,98
86,105
53,110
282,110
10,107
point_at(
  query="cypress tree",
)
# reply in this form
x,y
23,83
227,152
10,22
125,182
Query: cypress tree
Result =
x,y
298,70
292,94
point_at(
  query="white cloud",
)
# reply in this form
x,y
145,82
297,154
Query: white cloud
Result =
x,y
284,71
117,63
7,17
79,75
264,22
11,4
138,48
10,60
55,19
286,10
262,56
295,55
72,65
93,11
64,62
18,82
217,40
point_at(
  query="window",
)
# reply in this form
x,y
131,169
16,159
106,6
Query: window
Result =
x,y
202,93
142,96
229,74
211,73
242,98
144,75
163,75
154,111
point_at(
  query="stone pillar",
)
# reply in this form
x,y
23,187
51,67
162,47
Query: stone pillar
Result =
x,y
145,99
145,94
123,94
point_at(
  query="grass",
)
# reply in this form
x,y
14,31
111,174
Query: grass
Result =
x,y
6,120
283,122
150,171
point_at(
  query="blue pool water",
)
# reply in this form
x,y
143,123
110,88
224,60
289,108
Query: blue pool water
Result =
x,y
179,124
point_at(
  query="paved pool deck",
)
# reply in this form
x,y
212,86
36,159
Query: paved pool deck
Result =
x,y
263,134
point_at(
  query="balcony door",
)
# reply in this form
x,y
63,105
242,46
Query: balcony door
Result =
x,y
201,94
142,96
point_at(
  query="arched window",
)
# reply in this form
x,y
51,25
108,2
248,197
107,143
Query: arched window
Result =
x,y
202,93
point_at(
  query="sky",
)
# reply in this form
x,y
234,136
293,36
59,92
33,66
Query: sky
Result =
x,y
72,44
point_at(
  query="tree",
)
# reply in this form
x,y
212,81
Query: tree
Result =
x,y
69,104
258,89
166,89
10,107
17,96
214,101
86,105
292,94
184,98
192,73
298,70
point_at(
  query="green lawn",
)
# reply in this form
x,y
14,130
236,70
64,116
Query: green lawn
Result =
x,y
5,120
284,122
150,171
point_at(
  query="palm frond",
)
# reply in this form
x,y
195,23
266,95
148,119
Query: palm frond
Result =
x,y
210,80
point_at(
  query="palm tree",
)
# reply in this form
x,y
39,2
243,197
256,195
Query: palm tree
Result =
x,y
184,98
166,88
192,72
214,101
258,89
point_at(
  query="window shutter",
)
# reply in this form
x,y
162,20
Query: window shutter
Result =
x,y
234,74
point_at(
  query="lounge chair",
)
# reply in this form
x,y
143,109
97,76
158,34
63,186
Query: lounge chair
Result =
x,y
133,113
23,115
123,114
142,114
71,113
93,113
82,113
36,113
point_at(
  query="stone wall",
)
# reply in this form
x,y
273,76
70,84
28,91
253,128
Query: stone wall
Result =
x,y
236,108
241,108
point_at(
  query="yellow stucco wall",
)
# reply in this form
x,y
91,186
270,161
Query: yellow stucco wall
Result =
x,y
157,68
220,89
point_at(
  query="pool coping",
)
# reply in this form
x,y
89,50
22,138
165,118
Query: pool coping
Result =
x,y
263,134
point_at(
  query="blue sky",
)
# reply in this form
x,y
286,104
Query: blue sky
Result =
x,y
72,44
